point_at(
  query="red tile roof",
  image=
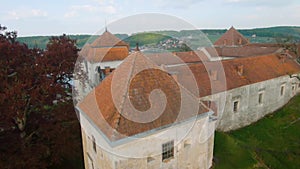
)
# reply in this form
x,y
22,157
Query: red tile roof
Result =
x,y
179,57
231,38
106,47
245,51
104,54
255,69
132,82
107,39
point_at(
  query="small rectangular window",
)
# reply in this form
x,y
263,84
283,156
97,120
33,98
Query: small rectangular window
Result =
x,y
260,98
187,144
235,106
167,150
281,90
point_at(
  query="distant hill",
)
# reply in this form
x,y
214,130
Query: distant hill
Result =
x,y
145,39
257,35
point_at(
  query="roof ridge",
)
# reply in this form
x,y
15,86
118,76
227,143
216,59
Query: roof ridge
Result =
x,y
232,34
112,40
144,60
250,57
229,38
155,66
117,122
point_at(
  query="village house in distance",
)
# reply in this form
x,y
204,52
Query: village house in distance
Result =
x,y
256,79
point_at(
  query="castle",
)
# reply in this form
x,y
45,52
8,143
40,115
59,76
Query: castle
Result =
x,y
236,85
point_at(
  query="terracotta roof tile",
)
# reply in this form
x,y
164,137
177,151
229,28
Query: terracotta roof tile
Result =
x,y
106,47
107,39
179,57
246,51
104,54
231,38
255,69
108,105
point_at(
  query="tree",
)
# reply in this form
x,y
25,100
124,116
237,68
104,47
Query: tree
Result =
x,y
61,54
38,125
18,83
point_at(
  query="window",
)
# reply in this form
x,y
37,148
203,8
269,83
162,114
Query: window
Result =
x,y
209,104
94,144
293,88
235,106
167,150
187,144
260,98
281,90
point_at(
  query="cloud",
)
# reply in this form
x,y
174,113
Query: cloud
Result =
x,y
104,2
107,6
88,8
176,3
99,6
25,13
76,9
266,3
108,9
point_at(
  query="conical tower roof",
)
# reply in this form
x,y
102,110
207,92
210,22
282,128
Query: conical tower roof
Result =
x,y
231,38
107,47
137,97
107,39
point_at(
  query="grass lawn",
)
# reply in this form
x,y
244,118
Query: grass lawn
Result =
x,y
273,142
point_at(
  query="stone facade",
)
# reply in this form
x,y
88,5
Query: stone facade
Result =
x,y
194,151
254,101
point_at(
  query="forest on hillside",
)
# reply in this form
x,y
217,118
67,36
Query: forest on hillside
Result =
x,y
257,35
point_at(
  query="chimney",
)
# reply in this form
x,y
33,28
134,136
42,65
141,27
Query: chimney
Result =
x,y
286,51
240,41
225,42
240,69
107,70
213,74
137,47
163,67
174,76
282,56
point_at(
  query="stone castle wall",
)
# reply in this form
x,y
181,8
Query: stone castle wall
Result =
x,y
249,109
193,151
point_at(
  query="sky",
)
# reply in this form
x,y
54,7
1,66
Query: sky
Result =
x,y
55,17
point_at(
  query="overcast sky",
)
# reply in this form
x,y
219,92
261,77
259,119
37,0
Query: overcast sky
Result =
x,y
55,17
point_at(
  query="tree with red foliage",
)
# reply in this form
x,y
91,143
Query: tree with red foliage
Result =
x,y
18,83
35,103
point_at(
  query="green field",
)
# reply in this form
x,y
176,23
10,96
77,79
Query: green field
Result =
x,y
273,142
